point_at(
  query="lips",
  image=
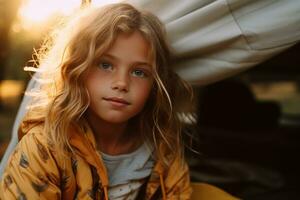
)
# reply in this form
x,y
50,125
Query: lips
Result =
x,y
117,100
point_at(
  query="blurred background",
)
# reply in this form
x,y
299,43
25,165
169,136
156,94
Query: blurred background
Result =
x,y
247,130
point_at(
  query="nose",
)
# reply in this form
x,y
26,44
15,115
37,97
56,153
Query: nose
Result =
x,y
120,82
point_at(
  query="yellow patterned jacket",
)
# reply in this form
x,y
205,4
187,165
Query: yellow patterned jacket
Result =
x,y
36,171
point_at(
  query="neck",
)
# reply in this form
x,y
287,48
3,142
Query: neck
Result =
x,y
112,138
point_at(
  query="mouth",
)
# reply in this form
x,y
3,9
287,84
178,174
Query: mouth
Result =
x,y
116,100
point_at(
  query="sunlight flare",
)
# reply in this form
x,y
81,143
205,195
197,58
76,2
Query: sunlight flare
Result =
x,y
37,11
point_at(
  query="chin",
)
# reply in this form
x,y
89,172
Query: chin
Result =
x,y
116,120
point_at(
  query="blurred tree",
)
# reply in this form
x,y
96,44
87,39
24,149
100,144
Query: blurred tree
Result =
x,y
8,13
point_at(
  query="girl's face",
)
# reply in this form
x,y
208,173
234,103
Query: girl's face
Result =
x,y
120,84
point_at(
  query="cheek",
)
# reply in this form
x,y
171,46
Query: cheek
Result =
x,y
143,91
95,81
91,80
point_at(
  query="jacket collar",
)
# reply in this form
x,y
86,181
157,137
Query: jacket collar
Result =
x,y
84,144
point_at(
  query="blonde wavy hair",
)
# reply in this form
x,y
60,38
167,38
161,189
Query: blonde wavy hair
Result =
x,y
66,58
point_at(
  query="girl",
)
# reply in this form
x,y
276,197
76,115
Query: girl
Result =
x,y
103,124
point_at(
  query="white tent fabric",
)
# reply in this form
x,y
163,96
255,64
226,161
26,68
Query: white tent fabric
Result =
x,y
215,39
219,38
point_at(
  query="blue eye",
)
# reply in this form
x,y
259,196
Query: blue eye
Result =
x,y
139,73
105,65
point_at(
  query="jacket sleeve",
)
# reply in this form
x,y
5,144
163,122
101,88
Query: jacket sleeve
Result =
x,y
178,186
31,172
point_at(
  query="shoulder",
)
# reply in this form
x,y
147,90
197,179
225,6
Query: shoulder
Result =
x,y
34,141
173,179
177,179
178,169
36,153
34,148
32,168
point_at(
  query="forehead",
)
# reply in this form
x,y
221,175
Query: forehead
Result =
x,y
131,47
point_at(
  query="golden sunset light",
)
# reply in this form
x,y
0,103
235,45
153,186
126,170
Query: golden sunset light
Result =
x,y
36,12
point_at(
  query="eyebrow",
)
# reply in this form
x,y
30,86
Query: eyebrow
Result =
x,y
137,62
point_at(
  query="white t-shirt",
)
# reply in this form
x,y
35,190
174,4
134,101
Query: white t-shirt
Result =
x,y
127,172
